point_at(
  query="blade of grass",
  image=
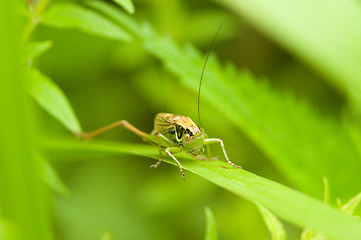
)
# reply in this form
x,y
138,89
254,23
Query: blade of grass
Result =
x,y
211,227
287,203
23,195
68,15
51,98
128,23
273,224
351,205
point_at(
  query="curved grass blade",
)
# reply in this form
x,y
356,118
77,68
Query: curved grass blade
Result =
x,y
287,203
211,227
273,224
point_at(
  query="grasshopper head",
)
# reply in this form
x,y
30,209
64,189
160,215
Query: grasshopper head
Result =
x,y
193,142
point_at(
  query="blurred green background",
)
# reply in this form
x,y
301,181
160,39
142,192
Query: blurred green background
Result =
x,y
107,80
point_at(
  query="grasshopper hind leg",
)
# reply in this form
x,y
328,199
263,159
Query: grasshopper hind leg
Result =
x,y
122,123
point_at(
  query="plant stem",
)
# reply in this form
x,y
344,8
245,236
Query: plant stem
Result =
x,y
35,17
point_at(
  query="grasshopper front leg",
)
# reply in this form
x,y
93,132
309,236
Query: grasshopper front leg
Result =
x,y
217,140
165,141
167,151
147,137
175,149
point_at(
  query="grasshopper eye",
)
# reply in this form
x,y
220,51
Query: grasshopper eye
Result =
x,y
187,137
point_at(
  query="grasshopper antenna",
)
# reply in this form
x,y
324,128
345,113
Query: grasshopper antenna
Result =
x,y
204,67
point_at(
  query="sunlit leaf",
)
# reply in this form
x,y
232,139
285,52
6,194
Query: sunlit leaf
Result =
x,y
273,224
118,16
126,4
67,15
52,99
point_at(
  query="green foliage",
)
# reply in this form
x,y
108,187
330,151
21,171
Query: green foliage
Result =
x,y
126,4
211,227
51,98
273,224
351,205
338,59
348,209
68,15
23,205
35,49
52,178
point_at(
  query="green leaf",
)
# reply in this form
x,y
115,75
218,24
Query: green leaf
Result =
x,y
67,15
351,205
211,227
52,178
288,204
327,36
118,16
126,4
34,49
273,224
52,99
310,234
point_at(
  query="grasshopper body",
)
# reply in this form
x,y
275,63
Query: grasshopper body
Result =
x,y
181,131
172,134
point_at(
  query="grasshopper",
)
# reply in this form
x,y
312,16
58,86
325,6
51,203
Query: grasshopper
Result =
x,y
173,133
